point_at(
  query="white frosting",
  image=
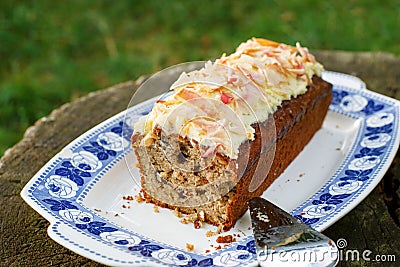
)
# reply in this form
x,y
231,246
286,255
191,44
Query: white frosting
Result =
x,y
217,105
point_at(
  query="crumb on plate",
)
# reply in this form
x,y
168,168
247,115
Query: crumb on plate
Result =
x,y
226,239
139,198
155,208
189,247
177,213
218,231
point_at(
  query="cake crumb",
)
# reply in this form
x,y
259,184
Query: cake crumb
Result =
x,y
189,247
226,239
218,231
197,224
209,234
139,198
195,218
190,218
98,210
207,251
116,215
127,197
301,174
123,206
155,209
177,213
201,216
338,149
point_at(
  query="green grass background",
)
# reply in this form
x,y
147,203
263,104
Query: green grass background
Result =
x,y
52,52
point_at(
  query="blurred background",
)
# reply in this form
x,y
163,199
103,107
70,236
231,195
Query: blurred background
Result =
x,y
52,52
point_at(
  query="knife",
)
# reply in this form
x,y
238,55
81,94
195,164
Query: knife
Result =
x,y
283,240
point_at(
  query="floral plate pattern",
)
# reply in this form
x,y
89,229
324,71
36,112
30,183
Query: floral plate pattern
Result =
x,y
57,191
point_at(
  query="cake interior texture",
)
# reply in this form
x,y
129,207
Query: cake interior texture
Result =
x,y
208,181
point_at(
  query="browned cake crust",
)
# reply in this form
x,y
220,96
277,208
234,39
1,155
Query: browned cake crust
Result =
x,y
295,121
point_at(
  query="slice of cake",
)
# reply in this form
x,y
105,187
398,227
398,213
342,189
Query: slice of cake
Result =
x,y
230,129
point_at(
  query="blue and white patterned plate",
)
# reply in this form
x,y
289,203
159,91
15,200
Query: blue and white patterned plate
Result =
x,y
343,79
84,190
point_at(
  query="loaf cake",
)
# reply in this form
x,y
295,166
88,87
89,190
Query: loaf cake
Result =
x,y
230,129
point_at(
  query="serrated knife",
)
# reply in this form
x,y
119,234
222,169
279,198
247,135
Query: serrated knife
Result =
x,y
283,240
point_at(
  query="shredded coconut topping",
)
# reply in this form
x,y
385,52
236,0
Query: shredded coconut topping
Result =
x,y
217,105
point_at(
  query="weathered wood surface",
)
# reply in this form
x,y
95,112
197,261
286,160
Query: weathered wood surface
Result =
x,y
373,225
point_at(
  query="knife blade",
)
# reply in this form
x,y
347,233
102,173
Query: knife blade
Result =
x,y
283,240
